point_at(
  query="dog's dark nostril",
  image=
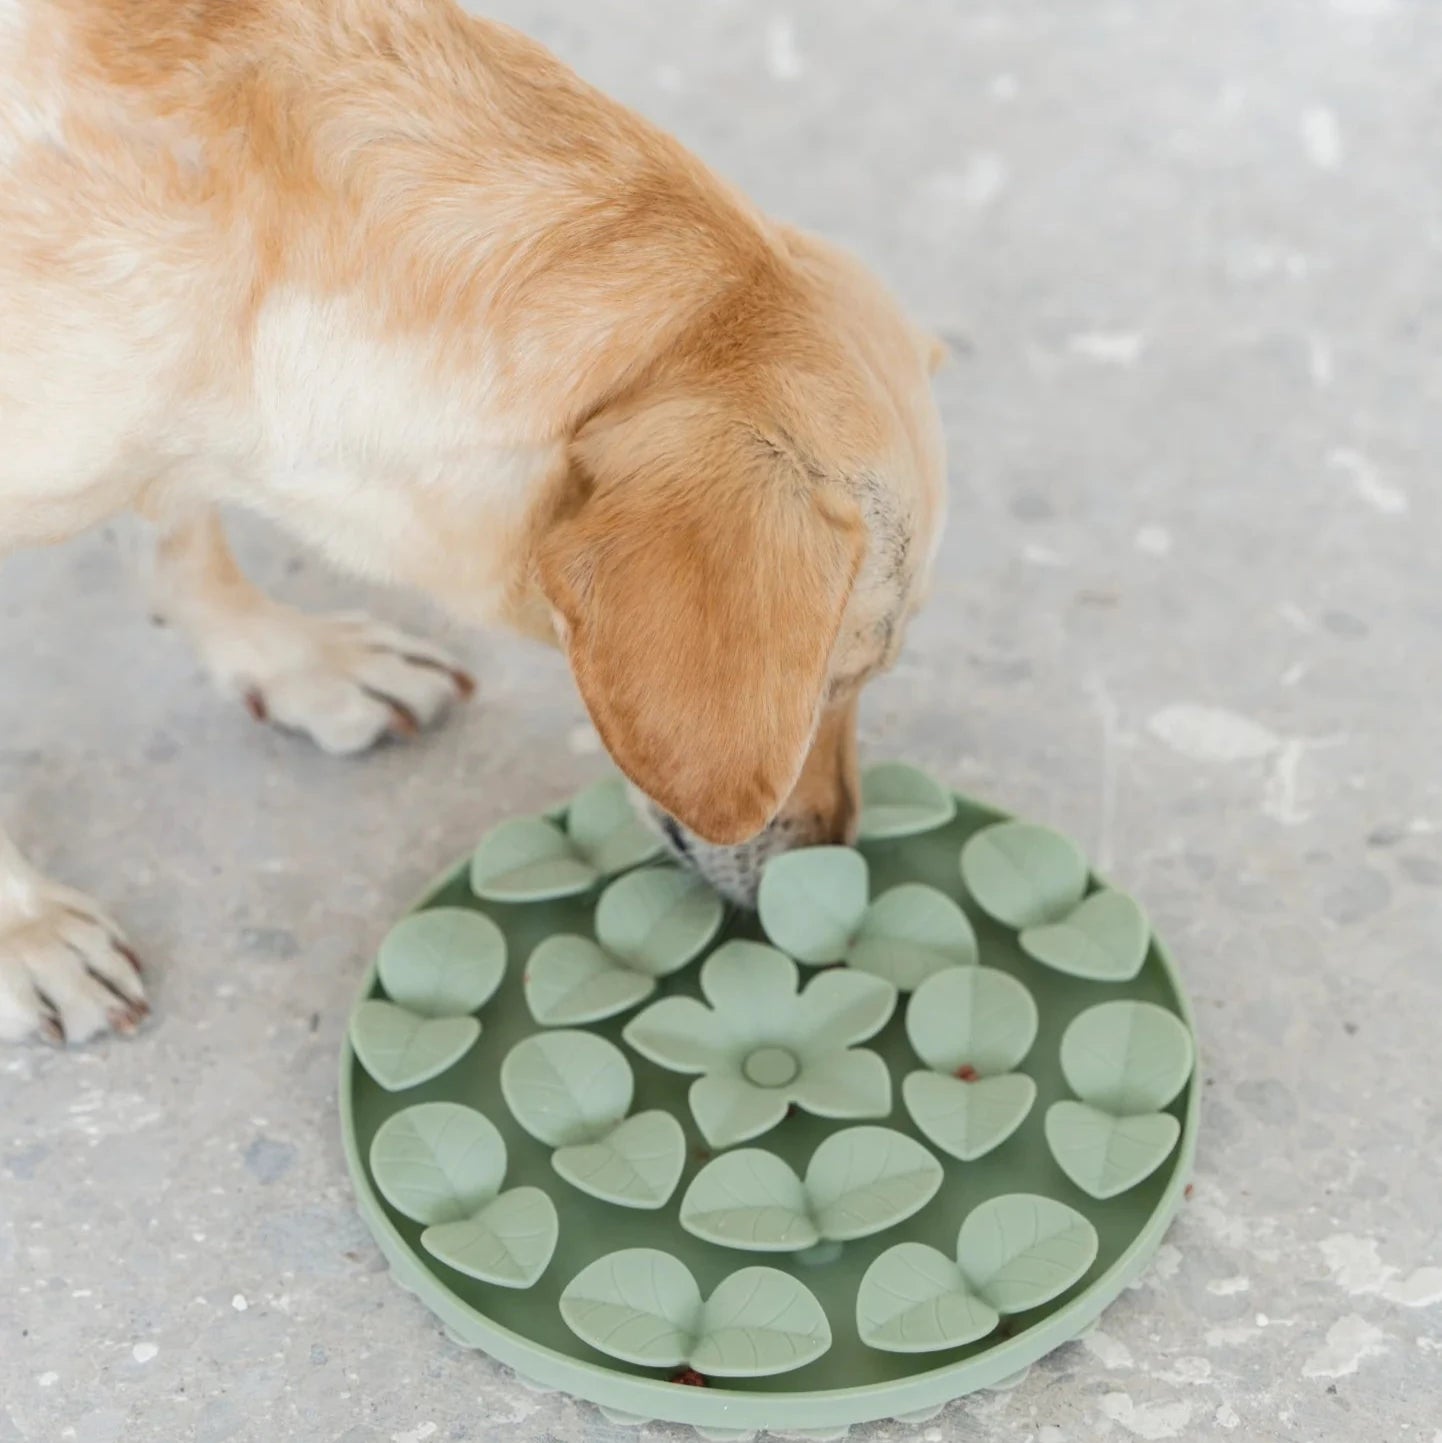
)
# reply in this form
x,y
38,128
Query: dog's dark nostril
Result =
x,y
675,836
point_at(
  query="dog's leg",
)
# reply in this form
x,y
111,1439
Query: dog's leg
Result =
x,y
346,681
66,973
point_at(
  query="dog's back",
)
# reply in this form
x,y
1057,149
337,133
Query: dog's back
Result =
x,y
224,223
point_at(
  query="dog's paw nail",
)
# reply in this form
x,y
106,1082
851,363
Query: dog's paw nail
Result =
x,y
52,1032
465,683
255,705
123,1020
129,956
404,722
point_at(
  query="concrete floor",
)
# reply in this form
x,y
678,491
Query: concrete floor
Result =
x,y
1188,256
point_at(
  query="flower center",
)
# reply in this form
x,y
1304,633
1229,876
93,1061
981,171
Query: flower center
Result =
x,y
770,1067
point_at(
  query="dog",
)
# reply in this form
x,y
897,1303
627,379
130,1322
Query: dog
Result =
x,y
395,278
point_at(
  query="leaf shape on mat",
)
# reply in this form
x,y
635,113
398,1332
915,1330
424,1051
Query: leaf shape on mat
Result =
x,y
910,933
1104,939
914,1299
438,1162
659,919
639,1305
1022,874
509,1243
899,801
529,859
978,1017
1021,1250
1126,1057
865,1179
643,1307
1105,1155
400,1049
567,1087
812,900
749,1199
636,1165
729,1109
757,1323
443,962
860,1181
570,980
606,830
968,1119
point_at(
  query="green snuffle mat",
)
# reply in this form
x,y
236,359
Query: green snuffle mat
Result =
x,y
893,1138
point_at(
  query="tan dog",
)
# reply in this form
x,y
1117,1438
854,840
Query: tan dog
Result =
x,y
395,278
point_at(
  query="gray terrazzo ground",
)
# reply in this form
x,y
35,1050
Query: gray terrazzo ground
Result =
x,y
1189,257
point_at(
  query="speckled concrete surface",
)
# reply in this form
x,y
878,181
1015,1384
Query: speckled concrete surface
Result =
x,y
1189,259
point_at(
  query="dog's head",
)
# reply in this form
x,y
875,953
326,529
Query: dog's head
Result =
x,y
745,538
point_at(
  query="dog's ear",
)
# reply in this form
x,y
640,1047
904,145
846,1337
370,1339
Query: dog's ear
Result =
x,y
699,586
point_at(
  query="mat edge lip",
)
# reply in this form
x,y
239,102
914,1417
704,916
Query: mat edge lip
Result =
x,y
656,1400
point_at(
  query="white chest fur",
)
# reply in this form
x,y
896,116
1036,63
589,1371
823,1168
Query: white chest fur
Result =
x,y
385,456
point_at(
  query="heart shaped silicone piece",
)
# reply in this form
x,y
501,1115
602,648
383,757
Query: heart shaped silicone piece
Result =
x,y
1104,939
968,1119
509,1243
915,1299
1105,1155
400,1049
636,1165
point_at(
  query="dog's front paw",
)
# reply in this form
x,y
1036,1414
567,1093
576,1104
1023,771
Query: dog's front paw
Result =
x,y
66,972
345,681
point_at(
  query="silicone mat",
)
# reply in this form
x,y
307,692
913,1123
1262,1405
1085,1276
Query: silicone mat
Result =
x,y
891,1141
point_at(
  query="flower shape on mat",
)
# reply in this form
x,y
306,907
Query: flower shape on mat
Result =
x,y
763,1045
815,904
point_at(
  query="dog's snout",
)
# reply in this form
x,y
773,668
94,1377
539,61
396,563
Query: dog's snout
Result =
x,y
823,809
736,871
